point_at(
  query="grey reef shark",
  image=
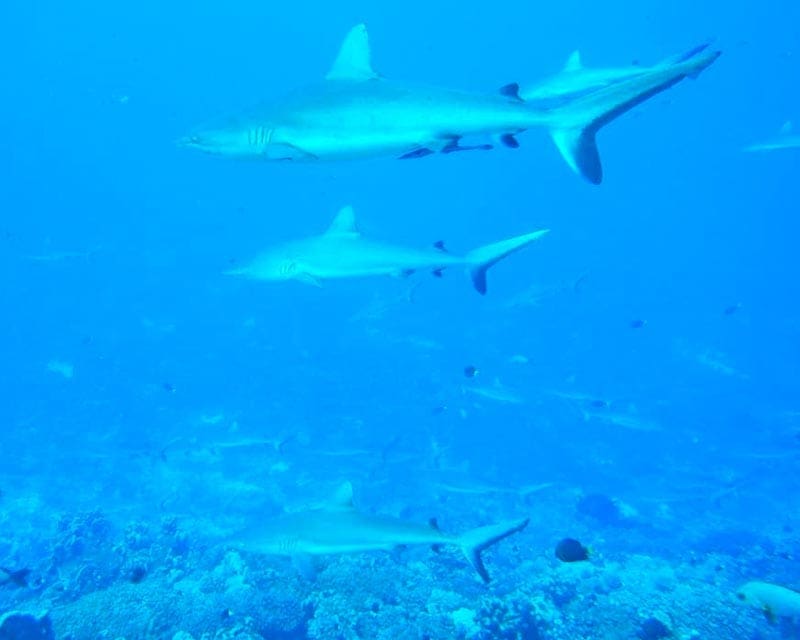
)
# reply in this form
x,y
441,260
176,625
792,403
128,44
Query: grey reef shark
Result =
x,y
356,113
788,138
338,528
343,252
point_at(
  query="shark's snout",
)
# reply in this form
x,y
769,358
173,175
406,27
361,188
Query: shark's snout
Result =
x,y
192,141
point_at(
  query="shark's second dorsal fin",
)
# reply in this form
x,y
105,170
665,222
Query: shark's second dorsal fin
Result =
x,y
354,59
343,498
574,62
344,224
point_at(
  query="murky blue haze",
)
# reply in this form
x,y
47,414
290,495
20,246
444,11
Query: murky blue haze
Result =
x,y
638,368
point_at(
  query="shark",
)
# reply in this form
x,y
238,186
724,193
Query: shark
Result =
x,y
339,528
575,79
788,138
356,113
343,252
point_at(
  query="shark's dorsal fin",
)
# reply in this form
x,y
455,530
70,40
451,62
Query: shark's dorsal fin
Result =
x,y
787,127
574,62
343,498
354,60
344,224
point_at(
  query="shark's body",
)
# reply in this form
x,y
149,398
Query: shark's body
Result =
x,y
787,139
339,528
356,113
342,252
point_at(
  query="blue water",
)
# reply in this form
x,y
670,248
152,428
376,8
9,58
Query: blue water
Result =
x,y
647,349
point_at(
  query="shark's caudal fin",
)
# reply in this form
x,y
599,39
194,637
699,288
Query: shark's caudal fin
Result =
x,y
475,542
575,125
479,260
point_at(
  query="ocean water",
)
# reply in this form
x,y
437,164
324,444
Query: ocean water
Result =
x,y
638,368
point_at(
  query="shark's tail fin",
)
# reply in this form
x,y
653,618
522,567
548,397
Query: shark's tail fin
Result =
x,y
576,124
480,259
475,542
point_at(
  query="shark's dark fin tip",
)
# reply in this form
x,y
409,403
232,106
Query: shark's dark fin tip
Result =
x,y
509,141
439,245
437,273
479,280
511,90
433,524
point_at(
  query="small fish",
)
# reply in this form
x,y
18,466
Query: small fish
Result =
x,y
637,324
18,578
62,368
168,387
570,550
137,574
470,371
729,311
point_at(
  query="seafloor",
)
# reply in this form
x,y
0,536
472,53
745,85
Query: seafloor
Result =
x,y
96,575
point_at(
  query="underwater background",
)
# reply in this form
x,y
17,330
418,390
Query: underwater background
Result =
x,y
638,369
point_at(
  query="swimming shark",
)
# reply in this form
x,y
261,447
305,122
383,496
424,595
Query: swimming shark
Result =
x,y
786,139
339,528
354,113
342,252
575,79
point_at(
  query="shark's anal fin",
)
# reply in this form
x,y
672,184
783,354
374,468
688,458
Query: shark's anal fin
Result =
x,y
475,542
354,59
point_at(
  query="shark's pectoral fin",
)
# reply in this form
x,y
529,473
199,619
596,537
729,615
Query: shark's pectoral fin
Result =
x,y
284,151
579,148
307,278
